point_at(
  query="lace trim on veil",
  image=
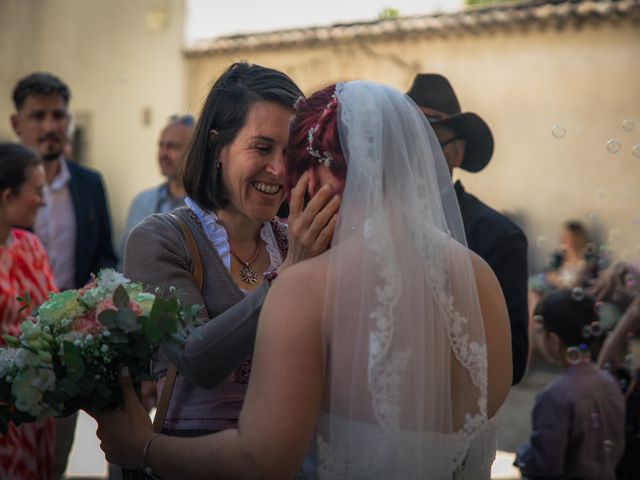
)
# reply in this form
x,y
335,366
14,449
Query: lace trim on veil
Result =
x,y
385,366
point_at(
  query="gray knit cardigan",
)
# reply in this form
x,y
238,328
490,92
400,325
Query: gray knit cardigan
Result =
x,y
157,256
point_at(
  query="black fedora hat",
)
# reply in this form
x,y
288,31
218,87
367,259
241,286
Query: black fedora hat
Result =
x,y
435,96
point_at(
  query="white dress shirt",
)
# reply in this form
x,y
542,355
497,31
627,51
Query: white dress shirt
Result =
x,y
56,227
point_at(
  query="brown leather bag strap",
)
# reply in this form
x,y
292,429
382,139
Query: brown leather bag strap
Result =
x,y
196,263
170,378
165,397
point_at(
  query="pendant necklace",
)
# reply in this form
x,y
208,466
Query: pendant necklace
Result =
x,y
248,274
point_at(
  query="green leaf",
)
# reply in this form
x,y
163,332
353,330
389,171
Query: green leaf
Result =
x,y
152,332
109,318
121,298
118,336
165,314
72,359
142,349
26,301
127,321
66,389
11,341
87,383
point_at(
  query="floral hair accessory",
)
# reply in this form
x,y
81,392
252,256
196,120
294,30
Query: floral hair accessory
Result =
x,y
325,157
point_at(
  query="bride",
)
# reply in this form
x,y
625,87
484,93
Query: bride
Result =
x,y
375,352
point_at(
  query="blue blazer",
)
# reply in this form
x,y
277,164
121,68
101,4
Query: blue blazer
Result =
x,y
94,249
503,245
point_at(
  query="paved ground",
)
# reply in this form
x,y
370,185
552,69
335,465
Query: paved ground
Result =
x,y
87,461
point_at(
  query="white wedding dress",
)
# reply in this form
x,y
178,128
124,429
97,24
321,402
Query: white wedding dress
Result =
x,y
369,463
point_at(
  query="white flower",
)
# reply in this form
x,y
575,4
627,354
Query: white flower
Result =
x,y
24,358
110,279
7,358
27,396
43,379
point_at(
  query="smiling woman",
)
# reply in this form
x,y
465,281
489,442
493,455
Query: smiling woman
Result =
x,y
27,450
234,176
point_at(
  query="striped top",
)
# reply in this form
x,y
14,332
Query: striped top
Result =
x,y
25,451
23,268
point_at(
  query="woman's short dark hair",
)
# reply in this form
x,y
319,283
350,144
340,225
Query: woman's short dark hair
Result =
x,y
15,161
225,111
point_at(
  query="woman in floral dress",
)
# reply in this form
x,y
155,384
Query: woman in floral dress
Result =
x,y
26,451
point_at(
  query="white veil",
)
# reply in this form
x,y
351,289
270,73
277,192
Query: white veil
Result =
x,y
406,359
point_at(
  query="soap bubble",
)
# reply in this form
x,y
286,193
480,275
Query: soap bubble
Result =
x,y
613,146
558,131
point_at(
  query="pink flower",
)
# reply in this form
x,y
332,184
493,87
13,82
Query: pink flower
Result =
x,y
106,304
87,323
92,284
137,309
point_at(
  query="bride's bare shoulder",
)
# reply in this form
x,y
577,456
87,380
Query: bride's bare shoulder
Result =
x,y
307,278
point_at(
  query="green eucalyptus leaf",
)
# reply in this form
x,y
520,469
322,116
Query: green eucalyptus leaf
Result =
x,y
128,321
109,318
118,336
121,298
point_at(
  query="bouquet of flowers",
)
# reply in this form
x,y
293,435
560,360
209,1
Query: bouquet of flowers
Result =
x,y
69,352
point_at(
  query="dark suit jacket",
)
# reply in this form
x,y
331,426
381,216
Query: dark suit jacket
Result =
x,y
94,249
502,244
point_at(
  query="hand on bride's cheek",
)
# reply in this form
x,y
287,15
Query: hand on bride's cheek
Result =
x,y
320,175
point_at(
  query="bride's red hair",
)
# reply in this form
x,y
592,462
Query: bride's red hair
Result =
x,y
320,111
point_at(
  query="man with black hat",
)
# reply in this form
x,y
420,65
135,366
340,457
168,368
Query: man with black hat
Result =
x,y
467,143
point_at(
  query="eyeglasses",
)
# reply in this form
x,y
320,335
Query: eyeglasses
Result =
x,y
448,141
182,119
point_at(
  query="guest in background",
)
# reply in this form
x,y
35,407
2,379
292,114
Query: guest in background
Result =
x,y
573,264
467,143
170,194
618,292
74,225
27,451
578,420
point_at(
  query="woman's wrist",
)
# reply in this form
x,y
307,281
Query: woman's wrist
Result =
x,y
146,454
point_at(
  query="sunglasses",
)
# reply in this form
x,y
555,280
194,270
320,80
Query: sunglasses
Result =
x,y
448,141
